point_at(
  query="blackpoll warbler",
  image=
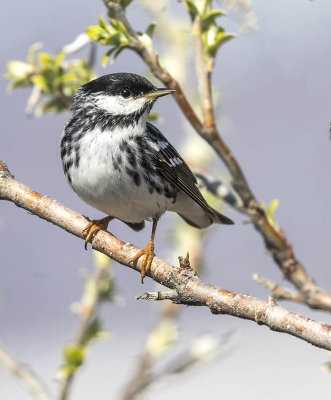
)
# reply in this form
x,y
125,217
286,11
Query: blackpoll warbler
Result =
x,y
122,165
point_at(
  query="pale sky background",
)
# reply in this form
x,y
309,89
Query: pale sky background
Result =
x,y
276,111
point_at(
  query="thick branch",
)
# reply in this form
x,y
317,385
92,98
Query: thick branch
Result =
x,y
275,240
189,289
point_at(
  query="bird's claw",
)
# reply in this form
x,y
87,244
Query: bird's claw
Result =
x,y
93,227
148,252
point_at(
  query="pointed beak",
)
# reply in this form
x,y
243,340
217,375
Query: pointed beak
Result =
x,y
158,93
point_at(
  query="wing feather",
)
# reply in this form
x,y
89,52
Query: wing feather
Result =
x,y
171,165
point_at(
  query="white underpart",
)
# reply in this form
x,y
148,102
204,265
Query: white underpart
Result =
x,y
111,190
118,105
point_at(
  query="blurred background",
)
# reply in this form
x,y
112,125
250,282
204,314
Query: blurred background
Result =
x,y
274,110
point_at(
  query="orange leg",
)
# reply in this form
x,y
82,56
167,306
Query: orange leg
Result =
x,y
148,252
93,227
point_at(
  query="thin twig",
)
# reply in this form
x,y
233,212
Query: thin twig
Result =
x,y
88,311
25,375
275,241
189,289
204,72
143,375
279,292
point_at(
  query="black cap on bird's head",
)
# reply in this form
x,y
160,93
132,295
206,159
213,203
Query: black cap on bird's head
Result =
x,y
125,85
119,94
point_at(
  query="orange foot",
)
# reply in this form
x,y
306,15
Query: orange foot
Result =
x,y
148,252
93,227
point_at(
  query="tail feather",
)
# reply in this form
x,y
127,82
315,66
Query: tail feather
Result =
x,y
220,218
204,219
202,222
195,215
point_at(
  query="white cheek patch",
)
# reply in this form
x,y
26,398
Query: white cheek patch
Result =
x,y
118,105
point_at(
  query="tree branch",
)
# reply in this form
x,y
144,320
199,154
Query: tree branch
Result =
x,y
25,375
143,375
88,310
278,292
188,288
204,71
164,334
275,241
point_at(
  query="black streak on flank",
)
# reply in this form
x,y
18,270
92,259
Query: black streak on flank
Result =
x,y
63,151
78,137
67,165
77,148
151,186
168,194
119,159
134,175
115,163
115,166
158,189
130,155
123,146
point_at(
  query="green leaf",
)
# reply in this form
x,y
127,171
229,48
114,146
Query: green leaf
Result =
x,y
206,6
105,58
41,81
192,9
151,29
45,59
218,41
271,213
94,32
74,355
125,3
57,80
59,58
102,23
69,77
209,18
118,52
119,27
31,57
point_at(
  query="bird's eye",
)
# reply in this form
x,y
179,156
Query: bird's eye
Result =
x,y
126,93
